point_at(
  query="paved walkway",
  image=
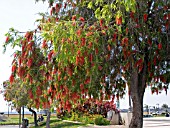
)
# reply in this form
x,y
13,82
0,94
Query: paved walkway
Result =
x,y
154,122
9,126
109,126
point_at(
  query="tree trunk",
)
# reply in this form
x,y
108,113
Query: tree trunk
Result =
x,y
35,116
19,118
48,119
137,112
137,89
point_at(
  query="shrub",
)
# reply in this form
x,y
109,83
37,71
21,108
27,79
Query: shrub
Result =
x,y
74,117
101,121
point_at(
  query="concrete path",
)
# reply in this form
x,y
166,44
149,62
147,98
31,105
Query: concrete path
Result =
x,y
109,126
153,122
9,126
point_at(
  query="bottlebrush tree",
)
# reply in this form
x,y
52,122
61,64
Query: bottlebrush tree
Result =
x,y
90,50
18,95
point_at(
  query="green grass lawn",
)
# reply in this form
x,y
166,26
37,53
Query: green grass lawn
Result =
x,y
14,120
56,123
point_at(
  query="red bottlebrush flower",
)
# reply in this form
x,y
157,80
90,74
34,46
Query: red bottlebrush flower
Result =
x,y
52,11
39,27
11,79
136,20
165,7
57,5
77,60
125,41
81,86
127,30
74,18
118,20
155,60
100,67
57,8
50,55
91,57
14,68
145,17
87,81
65,5
81,19
117,96
15,55
39,91
90,45
78,32
108,47
44,45
165,17
159,46
29,63
7,39
101,22
140,61
114,37
83,41
96,51
149,42
132,15
19,61
140,68
30,94
78,52
167,25
57,19
89,33
82,60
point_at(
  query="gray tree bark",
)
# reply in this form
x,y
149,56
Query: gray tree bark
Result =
x,y
137,89
48,119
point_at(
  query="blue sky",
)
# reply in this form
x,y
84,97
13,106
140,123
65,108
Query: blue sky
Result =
x,y
21,15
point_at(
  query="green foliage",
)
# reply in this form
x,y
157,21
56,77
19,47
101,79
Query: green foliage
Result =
x,y
74,116
82,44
101,121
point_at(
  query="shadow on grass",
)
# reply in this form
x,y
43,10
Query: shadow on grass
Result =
x,y
55,123
51,121
65,125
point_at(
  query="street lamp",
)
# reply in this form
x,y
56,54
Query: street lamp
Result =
x,y
8,107
158,107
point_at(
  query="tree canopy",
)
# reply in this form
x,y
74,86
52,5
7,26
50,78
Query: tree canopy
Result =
x,y
91,50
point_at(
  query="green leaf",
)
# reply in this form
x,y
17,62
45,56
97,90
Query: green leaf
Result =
x,y
97,13
90,5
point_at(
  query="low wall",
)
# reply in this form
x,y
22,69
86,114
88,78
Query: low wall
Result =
x,y
126,117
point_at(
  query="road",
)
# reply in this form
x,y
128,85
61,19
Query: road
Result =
x,y
157,122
